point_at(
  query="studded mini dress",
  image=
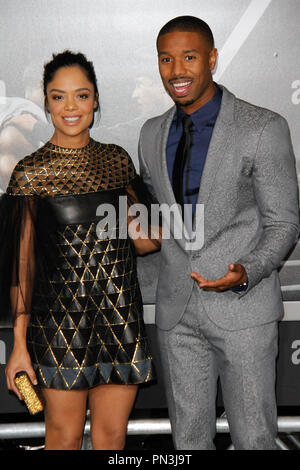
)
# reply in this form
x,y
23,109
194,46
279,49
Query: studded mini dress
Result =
x,y
77,280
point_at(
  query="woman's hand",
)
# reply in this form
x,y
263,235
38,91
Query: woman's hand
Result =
x,y
144,243
19,361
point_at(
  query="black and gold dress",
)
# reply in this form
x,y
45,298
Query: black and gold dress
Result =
x,y
80,287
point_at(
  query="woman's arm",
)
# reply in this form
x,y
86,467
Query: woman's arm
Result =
x,y
19,359
21,291
145,241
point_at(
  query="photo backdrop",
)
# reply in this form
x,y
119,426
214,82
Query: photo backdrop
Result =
x,y
259,61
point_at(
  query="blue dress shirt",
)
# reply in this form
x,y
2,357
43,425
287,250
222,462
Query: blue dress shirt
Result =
x,y
203,124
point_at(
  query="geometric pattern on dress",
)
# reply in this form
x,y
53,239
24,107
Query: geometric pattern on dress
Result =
x,y
86,324
94,331
53,170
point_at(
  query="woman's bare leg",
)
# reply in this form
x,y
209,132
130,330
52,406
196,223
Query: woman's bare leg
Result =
x,y
65,414
110,407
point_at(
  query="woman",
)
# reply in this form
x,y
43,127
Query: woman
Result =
x,y
86,336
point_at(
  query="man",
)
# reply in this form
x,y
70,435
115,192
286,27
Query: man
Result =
x,y
218,305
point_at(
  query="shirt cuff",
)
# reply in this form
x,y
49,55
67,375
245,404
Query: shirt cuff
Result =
x,y
241,287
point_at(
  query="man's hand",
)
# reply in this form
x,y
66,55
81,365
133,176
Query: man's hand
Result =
x,y
235,276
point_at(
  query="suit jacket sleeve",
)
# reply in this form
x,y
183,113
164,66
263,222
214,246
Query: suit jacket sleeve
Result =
x,y
144,171
276,192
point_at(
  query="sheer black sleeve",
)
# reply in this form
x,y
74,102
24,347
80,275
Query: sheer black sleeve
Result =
x,y
17,255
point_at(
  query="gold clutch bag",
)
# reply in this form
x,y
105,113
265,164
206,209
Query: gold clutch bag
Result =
x,y
29,392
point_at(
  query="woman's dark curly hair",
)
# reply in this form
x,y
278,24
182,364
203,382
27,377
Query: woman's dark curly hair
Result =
x,y
69,59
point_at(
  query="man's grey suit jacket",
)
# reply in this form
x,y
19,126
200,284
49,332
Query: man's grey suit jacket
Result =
x,y
251,214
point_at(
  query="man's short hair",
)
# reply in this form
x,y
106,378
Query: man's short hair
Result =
x,y
188,24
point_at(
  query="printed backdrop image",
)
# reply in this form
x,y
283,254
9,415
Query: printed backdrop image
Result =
x,y
259,49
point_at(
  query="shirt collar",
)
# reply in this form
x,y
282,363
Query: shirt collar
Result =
x,y
207,114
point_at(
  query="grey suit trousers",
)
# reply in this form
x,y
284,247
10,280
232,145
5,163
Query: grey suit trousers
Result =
x,y
194,354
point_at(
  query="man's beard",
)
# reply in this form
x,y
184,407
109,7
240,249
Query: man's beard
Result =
x,y
186,103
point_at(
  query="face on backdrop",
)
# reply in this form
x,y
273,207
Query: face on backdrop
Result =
x,y
186,62
71,102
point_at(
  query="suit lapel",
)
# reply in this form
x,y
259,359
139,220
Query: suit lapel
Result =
x,y
164,175
166,183
222,139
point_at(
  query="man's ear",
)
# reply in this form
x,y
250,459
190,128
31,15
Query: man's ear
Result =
x,y
212,60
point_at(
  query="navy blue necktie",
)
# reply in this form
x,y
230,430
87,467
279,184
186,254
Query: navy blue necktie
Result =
x,y
183,154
